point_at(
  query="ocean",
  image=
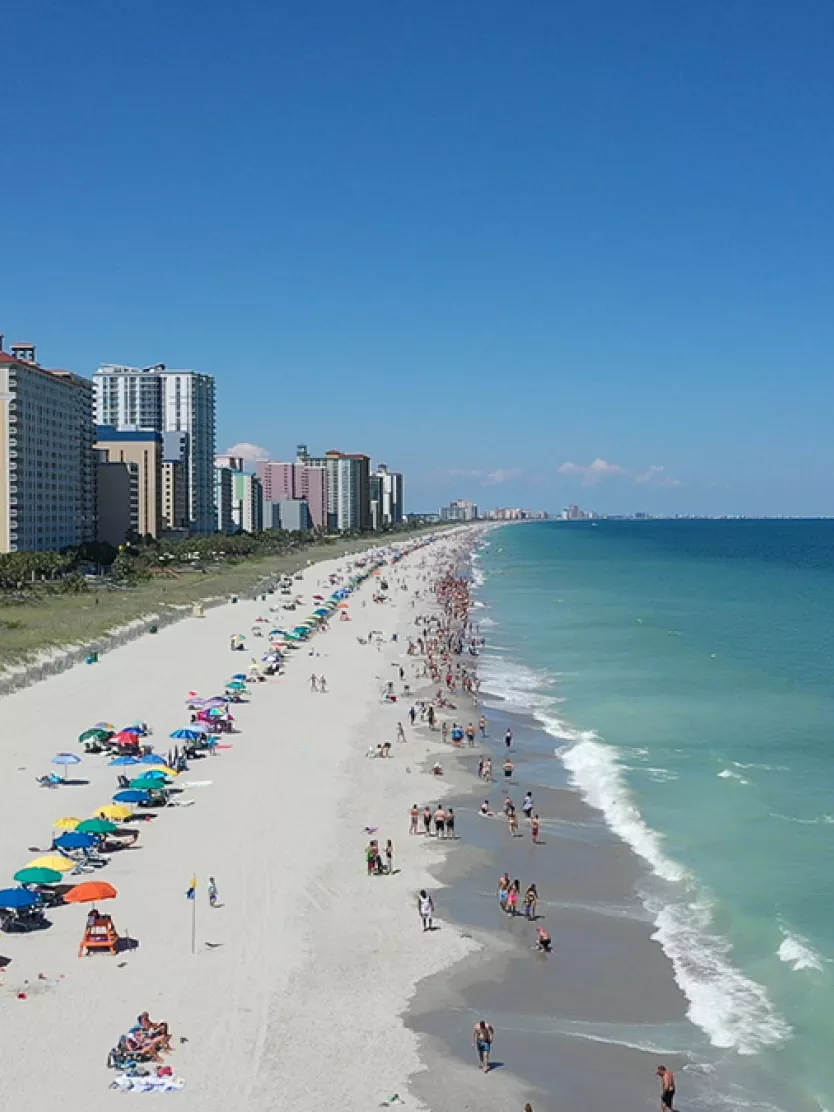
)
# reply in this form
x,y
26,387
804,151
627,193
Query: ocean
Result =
x,y
683,674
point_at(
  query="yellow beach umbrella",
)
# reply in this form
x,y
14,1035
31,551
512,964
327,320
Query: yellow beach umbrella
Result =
x,y
66,824
163,769
52,861
116,812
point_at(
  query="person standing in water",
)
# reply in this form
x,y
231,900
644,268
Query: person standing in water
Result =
x,y
483,1036
425,906
667,1088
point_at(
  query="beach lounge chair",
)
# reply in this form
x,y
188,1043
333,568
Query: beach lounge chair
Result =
x,y
50,780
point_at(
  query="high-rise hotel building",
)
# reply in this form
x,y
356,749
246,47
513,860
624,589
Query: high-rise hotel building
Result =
x,y
167,401
47,460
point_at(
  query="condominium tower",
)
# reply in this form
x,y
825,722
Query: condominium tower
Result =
x,y
47,461
167,401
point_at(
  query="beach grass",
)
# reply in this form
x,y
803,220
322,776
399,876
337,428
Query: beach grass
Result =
x,y
43,621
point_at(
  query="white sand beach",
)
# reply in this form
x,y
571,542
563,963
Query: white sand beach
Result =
x,y
292,998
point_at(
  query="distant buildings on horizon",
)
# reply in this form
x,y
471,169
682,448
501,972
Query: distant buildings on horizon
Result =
x,y
131,452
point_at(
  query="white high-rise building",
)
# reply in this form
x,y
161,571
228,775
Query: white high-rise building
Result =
x,y
167,401
47,461
386,497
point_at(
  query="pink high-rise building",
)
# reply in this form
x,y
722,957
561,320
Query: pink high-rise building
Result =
x,y
283,481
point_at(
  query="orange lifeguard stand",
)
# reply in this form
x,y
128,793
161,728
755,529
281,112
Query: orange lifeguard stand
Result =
x,y
99,934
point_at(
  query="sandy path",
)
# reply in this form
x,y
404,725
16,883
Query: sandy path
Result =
x,y
294,1004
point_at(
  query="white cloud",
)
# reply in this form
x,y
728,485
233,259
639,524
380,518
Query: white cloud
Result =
x,y
461,473
592,473
657,476
250,452
494,478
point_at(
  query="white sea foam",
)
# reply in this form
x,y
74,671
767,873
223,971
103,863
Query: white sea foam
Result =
x,y
820,820
487,623
798,952
728,774
596,771
732,1009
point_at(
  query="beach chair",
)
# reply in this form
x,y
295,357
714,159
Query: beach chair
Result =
x,y
50,780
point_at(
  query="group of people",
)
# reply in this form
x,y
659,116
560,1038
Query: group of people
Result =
x,y
379,862
441,820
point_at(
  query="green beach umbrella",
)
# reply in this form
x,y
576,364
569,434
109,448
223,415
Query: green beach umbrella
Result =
x,y
95,735
148,784
96,826
38,875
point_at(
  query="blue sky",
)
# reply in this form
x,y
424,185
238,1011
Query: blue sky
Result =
x,y
529,253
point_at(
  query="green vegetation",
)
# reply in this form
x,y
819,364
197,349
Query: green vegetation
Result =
x,y
47,600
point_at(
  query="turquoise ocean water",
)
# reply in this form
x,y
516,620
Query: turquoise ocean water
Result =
x,y
685,672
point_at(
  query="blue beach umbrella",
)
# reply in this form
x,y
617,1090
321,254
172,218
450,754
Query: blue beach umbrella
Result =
x,y
155,774
152,759
125,761
131,795
187,734
18,897
239,676
74,840
65,759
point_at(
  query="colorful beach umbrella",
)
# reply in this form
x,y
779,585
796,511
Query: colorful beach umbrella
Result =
x,y
73,840
146,784
151,759
116,812
131,795
95,734
53,861
67,823
132,730
66,759
125,761
91,891
18,897
105,726
97,826
38,876
188,734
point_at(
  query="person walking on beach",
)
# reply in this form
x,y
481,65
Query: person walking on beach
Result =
x,y
430,716
512,823
389,856
212,892
508,739
400,732
503,890
667,1088
450,822
412,714
531,899
513,897
427,821
482,724
314,682
425,905
534,829
322,685
444,732
415,818
483,1036
488,768
527,805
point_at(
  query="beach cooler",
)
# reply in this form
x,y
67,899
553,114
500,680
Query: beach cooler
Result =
x,y
99,935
